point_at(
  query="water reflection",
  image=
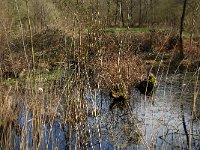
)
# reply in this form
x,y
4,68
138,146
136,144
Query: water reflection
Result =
x,y
139,123
163,121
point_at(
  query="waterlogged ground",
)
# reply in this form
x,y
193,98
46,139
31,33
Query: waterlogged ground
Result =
x,y
142,123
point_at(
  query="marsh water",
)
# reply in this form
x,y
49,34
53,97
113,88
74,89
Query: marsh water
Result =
x,y
162,121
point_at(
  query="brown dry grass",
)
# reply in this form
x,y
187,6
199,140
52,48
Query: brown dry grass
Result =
x,y
51,48
9,113
121,69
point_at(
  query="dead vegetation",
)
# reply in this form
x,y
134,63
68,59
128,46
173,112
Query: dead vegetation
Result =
x,y
58,61
99,58
9,113
53,48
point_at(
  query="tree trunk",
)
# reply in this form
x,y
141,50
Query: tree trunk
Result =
x,y
116,12
122,13
108,14
181,54
131,15
140,13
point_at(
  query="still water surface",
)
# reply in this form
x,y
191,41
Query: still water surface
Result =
x,y
143,123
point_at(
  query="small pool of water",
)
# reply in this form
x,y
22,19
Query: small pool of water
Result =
x,y
156,122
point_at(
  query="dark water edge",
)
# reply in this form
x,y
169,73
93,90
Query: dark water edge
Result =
x,y
158,118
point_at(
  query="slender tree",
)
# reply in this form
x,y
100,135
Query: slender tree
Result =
x,y
116,11
181,54
122,13
131,14
119,12
140,13
108,13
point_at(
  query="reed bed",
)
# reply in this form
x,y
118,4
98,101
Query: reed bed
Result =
x,y
64,103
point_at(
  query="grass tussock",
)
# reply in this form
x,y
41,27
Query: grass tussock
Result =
x,y
124,69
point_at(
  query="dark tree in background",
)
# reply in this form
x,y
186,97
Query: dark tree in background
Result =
x,y
140,13
181,54
119,12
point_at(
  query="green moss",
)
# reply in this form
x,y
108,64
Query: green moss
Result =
x,y
8,81
119,90
152,79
